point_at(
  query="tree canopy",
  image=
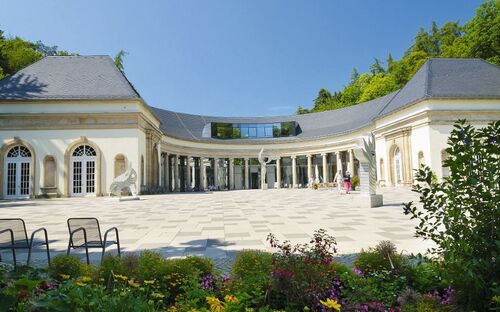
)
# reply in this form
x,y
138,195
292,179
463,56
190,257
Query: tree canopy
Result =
x,y
478,38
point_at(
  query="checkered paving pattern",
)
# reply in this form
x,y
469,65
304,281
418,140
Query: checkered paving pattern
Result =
x,y
218,224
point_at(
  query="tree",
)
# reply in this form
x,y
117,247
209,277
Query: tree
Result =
x,y
354,75
390,63
119,59
461,215
16,53
377,68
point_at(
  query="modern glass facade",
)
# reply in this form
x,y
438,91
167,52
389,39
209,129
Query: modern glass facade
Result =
x,y
221,130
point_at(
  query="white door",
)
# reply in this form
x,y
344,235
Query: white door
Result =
x,y
83,171
17,173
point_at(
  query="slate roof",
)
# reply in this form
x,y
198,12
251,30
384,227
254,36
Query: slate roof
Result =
x,y
437,78
68,77
96,77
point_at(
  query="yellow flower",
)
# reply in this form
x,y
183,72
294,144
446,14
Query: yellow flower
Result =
x,y
81,284
157,295
64,276
230,298
133,284
149,282
122,277
215,304
86,279
332,304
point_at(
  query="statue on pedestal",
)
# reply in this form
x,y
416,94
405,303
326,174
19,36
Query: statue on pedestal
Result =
x,y
263,170
125,181
365,153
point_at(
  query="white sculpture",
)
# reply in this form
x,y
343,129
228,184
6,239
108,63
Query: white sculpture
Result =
x,y
263,170
123,182
365,153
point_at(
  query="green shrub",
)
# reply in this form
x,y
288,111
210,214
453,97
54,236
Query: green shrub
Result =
x,y
250,263
151,264
461,216
383,257
203,265
65,265
428,276
354,182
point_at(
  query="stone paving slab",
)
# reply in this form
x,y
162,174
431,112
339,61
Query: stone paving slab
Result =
x,y
218,224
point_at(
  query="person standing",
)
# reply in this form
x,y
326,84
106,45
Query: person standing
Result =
x,y
339,179
347,180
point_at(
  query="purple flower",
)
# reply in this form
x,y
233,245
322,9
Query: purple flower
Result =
x,y
208,282
358,272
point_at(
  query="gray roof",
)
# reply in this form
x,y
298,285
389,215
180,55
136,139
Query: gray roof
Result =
x,y
96,77
448,78
68,77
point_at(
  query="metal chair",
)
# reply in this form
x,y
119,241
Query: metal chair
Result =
x,y
86,232
13,235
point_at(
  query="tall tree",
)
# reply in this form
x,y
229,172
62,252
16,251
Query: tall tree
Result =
x,y
377,68
119,59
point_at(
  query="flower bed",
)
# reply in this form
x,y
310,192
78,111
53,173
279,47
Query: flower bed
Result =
x,y
295,278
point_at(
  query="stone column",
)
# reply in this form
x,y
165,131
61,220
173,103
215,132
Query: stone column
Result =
x,y
176,175
247,173
231,173
294,171
167,173
309,169
325,169
339,162
203,175
188,172
351,162
216,173
278,172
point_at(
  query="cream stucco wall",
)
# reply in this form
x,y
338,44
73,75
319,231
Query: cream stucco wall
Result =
x,y
110,142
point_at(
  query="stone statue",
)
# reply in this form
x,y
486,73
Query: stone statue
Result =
x,y
263,170
123,182
369,152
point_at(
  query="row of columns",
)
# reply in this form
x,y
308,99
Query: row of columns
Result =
x,y
203,177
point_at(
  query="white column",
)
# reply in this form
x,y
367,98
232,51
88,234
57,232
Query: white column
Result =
x,y
188,172
278,172
247,173
339,162
351,162
203,175
167,174
231,173
325,169
176,169
216,173
309,169
294,171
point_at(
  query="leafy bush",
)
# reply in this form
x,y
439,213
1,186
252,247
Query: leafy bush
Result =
x,y
354,182
383,257
461,213
63,267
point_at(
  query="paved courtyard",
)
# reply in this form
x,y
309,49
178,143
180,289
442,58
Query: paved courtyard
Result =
x,y
220,223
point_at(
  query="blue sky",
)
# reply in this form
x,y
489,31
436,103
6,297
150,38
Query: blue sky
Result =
x,y
232,57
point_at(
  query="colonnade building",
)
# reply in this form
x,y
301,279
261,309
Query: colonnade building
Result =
x,y
70,124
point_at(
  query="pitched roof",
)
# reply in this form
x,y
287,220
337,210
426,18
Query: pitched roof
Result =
x,y
448,78
68,77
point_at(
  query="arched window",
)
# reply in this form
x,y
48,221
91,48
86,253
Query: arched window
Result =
x,y
83,171
49,171
17,172
445,171
120,165
421,159
398,170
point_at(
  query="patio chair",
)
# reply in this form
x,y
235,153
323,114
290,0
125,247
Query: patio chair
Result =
x,y
13,235
86,233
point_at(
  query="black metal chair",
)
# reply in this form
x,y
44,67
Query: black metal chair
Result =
x,y
86,232
13,235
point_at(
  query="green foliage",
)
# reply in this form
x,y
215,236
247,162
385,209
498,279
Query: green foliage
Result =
x,y
478,38
461,214
65,265
119,59
354,182
383,257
